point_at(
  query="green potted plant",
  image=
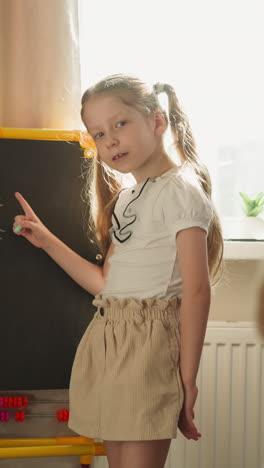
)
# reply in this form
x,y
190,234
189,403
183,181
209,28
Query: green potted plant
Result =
x,y
253,207
249,227
252,225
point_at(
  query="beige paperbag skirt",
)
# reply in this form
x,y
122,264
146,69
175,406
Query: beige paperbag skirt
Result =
x,y
125,383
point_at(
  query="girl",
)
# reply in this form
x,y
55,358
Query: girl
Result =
x,y
133,380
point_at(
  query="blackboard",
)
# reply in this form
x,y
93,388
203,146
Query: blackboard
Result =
x,y
43,312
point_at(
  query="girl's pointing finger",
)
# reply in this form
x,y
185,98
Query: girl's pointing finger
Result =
x,y
25,205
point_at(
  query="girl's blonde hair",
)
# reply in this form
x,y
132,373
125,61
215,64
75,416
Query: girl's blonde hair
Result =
x,y
103,184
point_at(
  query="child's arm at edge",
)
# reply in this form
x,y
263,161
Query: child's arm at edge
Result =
x,y
196,299
194,315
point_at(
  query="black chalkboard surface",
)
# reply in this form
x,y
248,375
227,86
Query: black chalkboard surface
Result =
x,y
43,312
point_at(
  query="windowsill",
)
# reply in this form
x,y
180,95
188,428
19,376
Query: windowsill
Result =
x,y
244,250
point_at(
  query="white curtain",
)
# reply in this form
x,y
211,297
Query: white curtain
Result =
x,y
40,64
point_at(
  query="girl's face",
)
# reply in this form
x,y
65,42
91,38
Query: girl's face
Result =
x,y
119,128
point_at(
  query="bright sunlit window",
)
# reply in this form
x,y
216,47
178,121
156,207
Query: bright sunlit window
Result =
x,y
210,51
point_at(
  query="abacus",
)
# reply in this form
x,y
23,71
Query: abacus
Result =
x,y
22,402
59,446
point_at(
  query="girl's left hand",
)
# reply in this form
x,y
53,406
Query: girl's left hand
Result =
x,y
186,424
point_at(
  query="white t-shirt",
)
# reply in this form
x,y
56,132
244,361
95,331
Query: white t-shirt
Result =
x,y
145,221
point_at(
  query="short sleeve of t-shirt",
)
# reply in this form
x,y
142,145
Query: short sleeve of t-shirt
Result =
x,y
184,205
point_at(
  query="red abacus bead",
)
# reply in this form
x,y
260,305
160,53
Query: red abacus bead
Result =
x,y
63,415
4,415
1,402
19,402
7,402
60,415
20,416
25,401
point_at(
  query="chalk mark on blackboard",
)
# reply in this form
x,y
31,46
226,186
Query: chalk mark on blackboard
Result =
x,y
7,233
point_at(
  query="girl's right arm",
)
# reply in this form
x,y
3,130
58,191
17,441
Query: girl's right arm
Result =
x,y
194,311
89,276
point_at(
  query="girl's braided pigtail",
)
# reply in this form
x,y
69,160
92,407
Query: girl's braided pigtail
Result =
x,y
182,136
186,147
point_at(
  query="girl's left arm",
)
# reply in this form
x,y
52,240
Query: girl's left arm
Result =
x,y
196,298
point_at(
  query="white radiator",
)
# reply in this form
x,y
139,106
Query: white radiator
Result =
x,y
229,410
230,404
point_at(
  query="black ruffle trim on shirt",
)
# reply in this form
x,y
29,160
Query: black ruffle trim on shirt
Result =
x,y
134,216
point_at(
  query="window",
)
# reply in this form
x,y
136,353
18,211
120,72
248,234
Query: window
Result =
x,y
211,53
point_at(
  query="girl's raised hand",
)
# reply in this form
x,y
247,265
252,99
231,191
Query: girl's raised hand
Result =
x,y
186,424
33,229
